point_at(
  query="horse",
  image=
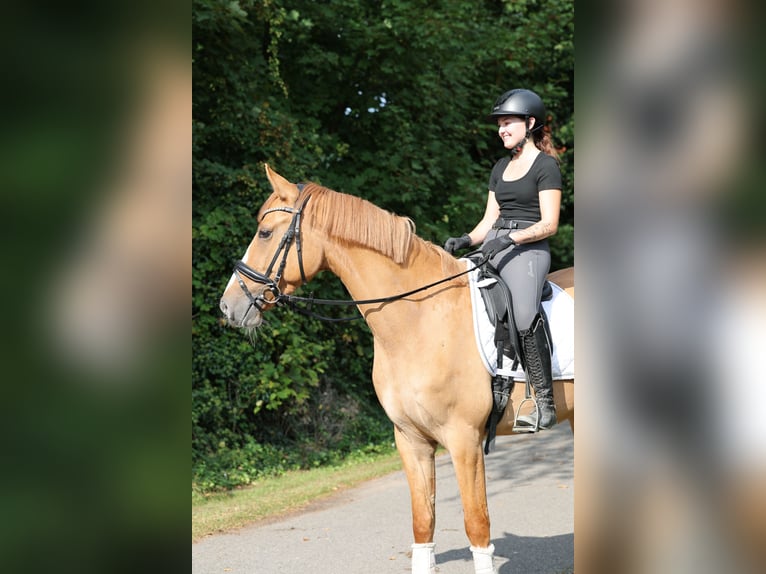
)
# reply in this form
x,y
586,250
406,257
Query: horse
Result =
x,y
444,400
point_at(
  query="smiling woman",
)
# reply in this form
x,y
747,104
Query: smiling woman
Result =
x,y
521,213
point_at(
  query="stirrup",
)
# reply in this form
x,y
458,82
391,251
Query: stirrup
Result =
x,y
523,426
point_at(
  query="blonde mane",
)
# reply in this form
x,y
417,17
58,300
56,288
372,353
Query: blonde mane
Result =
x,y
355,220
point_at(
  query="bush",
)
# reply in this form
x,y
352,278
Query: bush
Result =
x,y
330,430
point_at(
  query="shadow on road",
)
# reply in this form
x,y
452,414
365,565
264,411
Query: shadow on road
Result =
x,y
526,458
528,554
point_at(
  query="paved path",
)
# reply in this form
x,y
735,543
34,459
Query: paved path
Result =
x,y
367,530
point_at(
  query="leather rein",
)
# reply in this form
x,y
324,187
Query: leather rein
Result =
x,y
272,294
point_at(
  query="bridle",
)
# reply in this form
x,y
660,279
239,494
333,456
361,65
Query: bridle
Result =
x,y
272,294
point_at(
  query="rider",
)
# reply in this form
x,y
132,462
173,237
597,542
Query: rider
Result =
x,y
522,212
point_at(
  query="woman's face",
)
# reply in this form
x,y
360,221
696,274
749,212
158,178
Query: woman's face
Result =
x,y
512,130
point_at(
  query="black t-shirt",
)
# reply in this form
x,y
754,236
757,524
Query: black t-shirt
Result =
x,y
519,199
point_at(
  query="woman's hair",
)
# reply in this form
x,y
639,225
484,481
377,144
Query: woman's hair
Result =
x,y
542,140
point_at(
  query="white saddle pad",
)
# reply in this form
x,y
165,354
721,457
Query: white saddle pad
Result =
x,y
560,312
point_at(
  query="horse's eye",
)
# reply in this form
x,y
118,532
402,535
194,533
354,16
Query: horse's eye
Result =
x,y
264,234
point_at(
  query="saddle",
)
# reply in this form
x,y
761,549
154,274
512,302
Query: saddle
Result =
x,y
497,300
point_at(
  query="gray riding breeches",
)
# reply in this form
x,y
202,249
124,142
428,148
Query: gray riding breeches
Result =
x,y
524,269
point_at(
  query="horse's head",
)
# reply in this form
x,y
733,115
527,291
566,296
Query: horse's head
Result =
x,y
282,255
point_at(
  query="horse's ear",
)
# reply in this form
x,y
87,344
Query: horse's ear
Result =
x,y
286,191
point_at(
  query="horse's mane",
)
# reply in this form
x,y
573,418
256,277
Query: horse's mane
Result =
x,y
358,221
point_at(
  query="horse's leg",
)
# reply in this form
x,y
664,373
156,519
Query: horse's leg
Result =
x,y
468,460
417,455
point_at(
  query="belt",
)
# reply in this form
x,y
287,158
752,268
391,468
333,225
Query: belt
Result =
x,y
511,224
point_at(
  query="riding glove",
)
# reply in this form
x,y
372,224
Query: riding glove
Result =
x,y
454,244
495,246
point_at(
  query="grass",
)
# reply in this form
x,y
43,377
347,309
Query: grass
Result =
x,y
272,497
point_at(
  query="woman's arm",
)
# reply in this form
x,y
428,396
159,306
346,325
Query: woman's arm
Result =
x,y
491,213
550,206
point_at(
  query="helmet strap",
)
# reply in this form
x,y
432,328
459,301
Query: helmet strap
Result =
x,y
516,150
529,131
518,147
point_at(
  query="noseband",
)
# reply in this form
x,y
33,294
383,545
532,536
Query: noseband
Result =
x,y
272,294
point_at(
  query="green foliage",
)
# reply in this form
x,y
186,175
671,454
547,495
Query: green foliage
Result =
x,y
562,247
385,100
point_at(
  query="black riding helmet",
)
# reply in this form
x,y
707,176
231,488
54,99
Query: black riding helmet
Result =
x,y
518,102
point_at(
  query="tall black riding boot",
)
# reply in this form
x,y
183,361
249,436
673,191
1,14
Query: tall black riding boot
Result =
x,y
537,354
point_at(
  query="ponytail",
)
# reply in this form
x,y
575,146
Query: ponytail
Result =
x,y
542,140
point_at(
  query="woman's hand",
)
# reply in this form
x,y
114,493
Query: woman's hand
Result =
x,y
454,244
496,245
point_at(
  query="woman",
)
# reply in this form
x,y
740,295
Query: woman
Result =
x,y
522,212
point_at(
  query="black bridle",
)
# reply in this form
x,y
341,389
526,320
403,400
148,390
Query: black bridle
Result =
x,y
275,295
272,295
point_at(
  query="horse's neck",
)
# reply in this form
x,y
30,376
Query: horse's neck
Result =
x,y
365,273
370,275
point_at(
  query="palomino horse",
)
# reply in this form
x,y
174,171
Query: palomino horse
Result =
x,y
446,399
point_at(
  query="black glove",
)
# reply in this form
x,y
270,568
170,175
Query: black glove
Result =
x,y
456,243
496,245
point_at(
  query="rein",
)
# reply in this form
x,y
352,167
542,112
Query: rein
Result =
x,y
291,300
275,295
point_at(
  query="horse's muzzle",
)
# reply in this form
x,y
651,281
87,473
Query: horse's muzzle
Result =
x,y
239,312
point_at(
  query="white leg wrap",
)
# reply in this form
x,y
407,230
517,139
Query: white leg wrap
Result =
x,y
482,559
423,558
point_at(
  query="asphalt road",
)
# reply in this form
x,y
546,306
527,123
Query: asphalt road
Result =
x,y
367,530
